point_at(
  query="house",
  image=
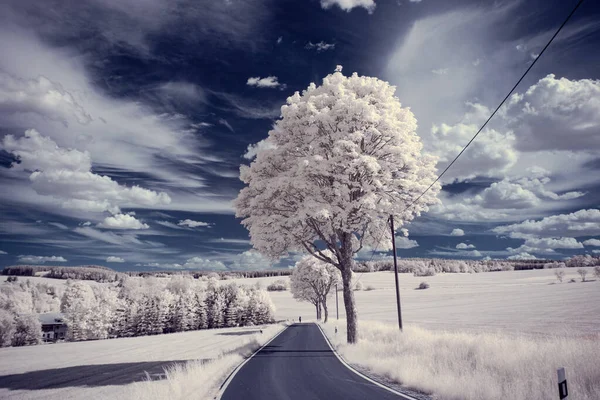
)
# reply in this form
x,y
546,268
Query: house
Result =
x,y
54,327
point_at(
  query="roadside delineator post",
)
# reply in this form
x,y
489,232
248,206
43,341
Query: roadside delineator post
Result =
x,y
563,391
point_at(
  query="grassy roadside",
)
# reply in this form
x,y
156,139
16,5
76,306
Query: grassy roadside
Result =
x,y
469,366
201,380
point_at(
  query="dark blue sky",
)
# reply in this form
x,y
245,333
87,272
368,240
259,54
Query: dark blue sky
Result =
x,y
143,111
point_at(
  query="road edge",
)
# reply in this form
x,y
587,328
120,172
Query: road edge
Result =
x,y
368,378
230,377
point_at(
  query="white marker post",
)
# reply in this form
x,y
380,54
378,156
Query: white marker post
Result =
x,y
563,392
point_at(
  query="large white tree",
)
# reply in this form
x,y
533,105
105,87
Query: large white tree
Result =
x,y
343,157
312,281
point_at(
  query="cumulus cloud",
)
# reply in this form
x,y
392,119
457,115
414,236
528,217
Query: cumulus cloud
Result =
x,y
580,223
254,149
3,252
457,232
205,264
251,260
267,82
348,5
321,46
65,174
464,246
592,242
193,224
41,259
556,114
403,242
122,221
522,256
113,259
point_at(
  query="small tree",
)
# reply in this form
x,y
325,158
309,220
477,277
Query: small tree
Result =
x,y
7,328
560,274
28,330
582,272
343,157
597,272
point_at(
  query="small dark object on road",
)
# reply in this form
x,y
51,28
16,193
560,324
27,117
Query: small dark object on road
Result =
x,y
261,331
336,329
300,319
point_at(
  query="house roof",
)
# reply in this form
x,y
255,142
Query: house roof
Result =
x,y
51,318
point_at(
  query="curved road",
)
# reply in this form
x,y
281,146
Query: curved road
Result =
x,y
299,365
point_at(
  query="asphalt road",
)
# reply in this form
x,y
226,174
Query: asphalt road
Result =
x,y
299,365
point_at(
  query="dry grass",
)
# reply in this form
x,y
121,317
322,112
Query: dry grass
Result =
x,y
482,366
200,380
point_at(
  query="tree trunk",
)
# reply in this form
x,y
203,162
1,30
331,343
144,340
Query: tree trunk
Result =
x,y
325,309
346,270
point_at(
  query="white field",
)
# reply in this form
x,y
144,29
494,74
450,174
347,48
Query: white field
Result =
x,y
509,301
109,369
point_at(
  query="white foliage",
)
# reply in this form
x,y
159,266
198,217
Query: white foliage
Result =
x,y
345,156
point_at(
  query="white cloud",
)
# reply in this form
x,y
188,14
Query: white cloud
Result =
x,y
65,174
580,223
556,114
193,224
182,92
522,256
546,245
403,242
41,259
3,252
440,71
596,251
267,82
251,260
254,149
279,39
504,194
592,242
109,237
122,221
457,232
201,263
464,246
321,46
348,5
113,259
224,122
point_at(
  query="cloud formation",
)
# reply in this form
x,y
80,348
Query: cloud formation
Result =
x,y
122,221
348,5
113,259
192,224
41,259
321,46
266,82
457,232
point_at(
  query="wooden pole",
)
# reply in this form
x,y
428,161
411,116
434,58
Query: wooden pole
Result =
x,y
396,273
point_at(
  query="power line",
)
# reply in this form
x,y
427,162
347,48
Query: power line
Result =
x,y
490,117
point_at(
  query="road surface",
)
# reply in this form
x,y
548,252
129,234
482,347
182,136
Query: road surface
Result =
x,y
299,365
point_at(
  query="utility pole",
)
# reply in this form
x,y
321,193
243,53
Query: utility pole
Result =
x,y
337,309
396,272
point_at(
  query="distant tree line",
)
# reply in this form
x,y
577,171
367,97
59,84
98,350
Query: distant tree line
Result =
x,y
85,272
220,275
132,307
432,266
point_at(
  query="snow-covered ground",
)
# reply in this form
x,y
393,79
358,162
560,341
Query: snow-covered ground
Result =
x,y
108,369
509,301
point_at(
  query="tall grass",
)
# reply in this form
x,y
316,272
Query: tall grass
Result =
x,y
197,379
477,366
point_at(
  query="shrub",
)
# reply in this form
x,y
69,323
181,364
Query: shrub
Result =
x,y
597,272
278,286
560,274
582,272
423,285
358,286
424,271
12,279
28,330
572,280
369,288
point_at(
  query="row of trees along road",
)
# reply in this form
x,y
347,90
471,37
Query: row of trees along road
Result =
x,y
312,280
342,158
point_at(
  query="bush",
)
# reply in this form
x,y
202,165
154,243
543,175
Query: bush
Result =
x,y
597,272
28,330
560,274
358,286
12,279
424,272
423,285
369,288
278,286
582,272
572,280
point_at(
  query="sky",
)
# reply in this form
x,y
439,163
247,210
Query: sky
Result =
x,y
123,123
